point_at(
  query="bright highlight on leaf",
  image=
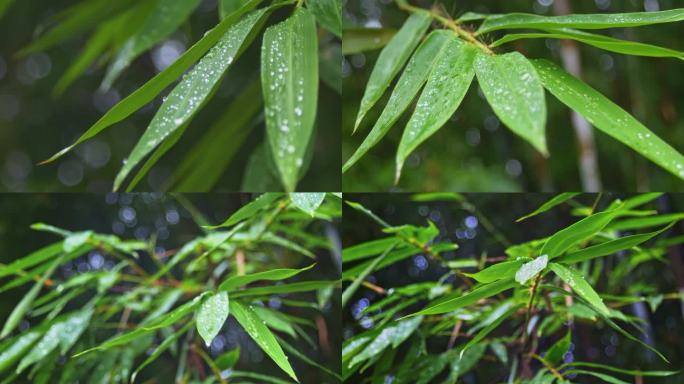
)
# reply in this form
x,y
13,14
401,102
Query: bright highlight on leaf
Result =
x,y
531,269
307,201
211,315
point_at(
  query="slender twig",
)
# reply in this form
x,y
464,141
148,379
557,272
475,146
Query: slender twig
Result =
x,y
528,313
548,366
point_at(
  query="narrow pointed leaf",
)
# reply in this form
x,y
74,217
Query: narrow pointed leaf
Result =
x,y
392,335
164,19
609,117
498,271
515,92
630,372
410,82
358,40
556,200
367,249
250,209
446,87
585,21
328,13
17,348
394,257
576,281
73,327
531,269
263,337
358,280
392,58
37,257
645,222
146,93
289,78
555,354
479,293
564,239
304,286
166,344
194,90
211,315
308,201
235,282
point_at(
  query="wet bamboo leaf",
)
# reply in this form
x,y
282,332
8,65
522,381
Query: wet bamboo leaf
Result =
x,y
630,372
289,77
466,361
37,257
515,92
555,201
307,202
367,249
358,280
391,60
164,19
393,335
228,359
396,256
531,269
498,271
328,14
226,7
16,348
576,281
410,82
586,21
305,286
609,117
609,247
285,243
645,222
211,315
235,282
555,354
358,40
568,237
263,337
77,240
479,293
446,87
251,208
146,93
275,320
194,90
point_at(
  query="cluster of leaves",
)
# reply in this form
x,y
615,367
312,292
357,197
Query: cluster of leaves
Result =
x,y
538,291
442,66
97,326
289,82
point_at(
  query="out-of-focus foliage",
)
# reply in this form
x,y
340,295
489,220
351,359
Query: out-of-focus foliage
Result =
x,y
220,123
474,151
245,300
578,291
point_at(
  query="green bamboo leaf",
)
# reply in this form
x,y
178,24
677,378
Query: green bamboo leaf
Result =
x,y
304,286
211,315
250,209
226,7
367,249
263,337
645,222
358,40
531,269
410,82
609,117
307,201
289,77
194,90
576,281
515,92
166,344
446,87
76,240
328,13
392,335
586,21
396,256
556,200
598,41
275,320
37,257
164,19
498,271
17,348
568,237
285,243
4,5
555,354
27,301
370,267
228,359
630,372
609,247
392,58
489,329
479,293
235,282
146,93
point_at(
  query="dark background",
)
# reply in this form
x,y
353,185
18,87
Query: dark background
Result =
x,y
141,216
475,152
590,342
34,125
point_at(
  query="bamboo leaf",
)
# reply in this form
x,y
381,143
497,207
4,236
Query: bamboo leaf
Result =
x,y
566,238
211,315
498,271
630,372
166,344
396,256
479,293
555,354
328,14
446,87
226,7
576,281
157,84
367,249
304,286
289,78
489,329
238,281
351,289
308,201
263,337
194,90
228,359
555,201
410,82
585,21
37,257
393,335
164,19
645,222
515,92
16,348
392,58
358,40
250,209
609,117
275,320
531,269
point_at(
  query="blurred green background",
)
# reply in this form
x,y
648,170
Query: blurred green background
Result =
x,y
167,218
475,152
471,230
34,125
